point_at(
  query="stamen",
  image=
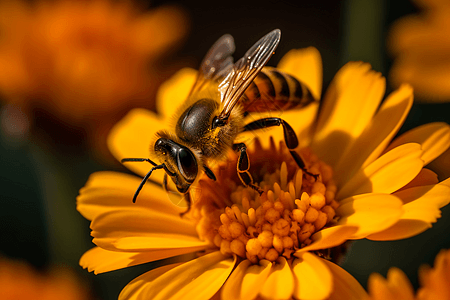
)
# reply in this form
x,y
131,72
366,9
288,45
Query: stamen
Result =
x,y
276,223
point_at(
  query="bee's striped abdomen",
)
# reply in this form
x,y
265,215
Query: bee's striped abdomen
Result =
x,y
274,90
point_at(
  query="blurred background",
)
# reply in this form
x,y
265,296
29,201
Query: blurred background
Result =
x,y
69,70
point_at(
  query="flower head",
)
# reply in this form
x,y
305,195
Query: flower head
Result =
x,y
279,244
433,281
85,62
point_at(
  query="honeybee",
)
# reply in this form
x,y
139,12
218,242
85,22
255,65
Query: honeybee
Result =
x,y
208,123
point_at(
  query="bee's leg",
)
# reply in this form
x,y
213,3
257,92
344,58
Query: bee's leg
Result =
x,y
289,137
209,173
187,197
243,166
165,185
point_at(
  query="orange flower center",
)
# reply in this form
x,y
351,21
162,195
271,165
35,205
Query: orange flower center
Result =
x,y
293,206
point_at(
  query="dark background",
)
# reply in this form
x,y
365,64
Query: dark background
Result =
x,y
39,183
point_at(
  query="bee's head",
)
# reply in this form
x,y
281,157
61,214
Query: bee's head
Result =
x,y
179,160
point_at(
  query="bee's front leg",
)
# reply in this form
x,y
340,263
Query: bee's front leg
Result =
x,y
243,166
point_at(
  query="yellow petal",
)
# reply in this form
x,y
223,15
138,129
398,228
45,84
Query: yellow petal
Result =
x,y
136,289
348,106
377,135
403,229
245,281
425,177
174,92
436,195
200,278
132,138
312,277
106,191
370,212
279,284
387,174
345,286
255,274
433,137
141,221
139,230
329,237
232,288
152,242
306,66
446,182
100,260
421,209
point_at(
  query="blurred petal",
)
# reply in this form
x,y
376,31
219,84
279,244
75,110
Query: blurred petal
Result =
x,y
434,139
312,277
396,286
174,92
345,286
305,65
199,279
377,135
100,260
133,137
434,281
344,115
421,209
378,288
370,212
387,174
106,191
279,284
329,238
168,23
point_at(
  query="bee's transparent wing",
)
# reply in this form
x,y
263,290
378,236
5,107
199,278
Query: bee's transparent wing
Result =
x,y
217,63
245,70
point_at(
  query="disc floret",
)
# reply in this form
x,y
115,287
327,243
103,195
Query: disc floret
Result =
x,y
277,222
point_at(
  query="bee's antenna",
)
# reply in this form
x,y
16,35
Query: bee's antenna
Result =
x,y
138,160
144,180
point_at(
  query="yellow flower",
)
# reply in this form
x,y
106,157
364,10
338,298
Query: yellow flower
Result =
x,y
433,281
421,45
19,281
276,245
85,62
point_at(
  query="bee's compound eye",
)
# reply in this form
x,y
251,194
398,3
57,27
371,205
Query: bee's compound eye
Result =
x,y
187,164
